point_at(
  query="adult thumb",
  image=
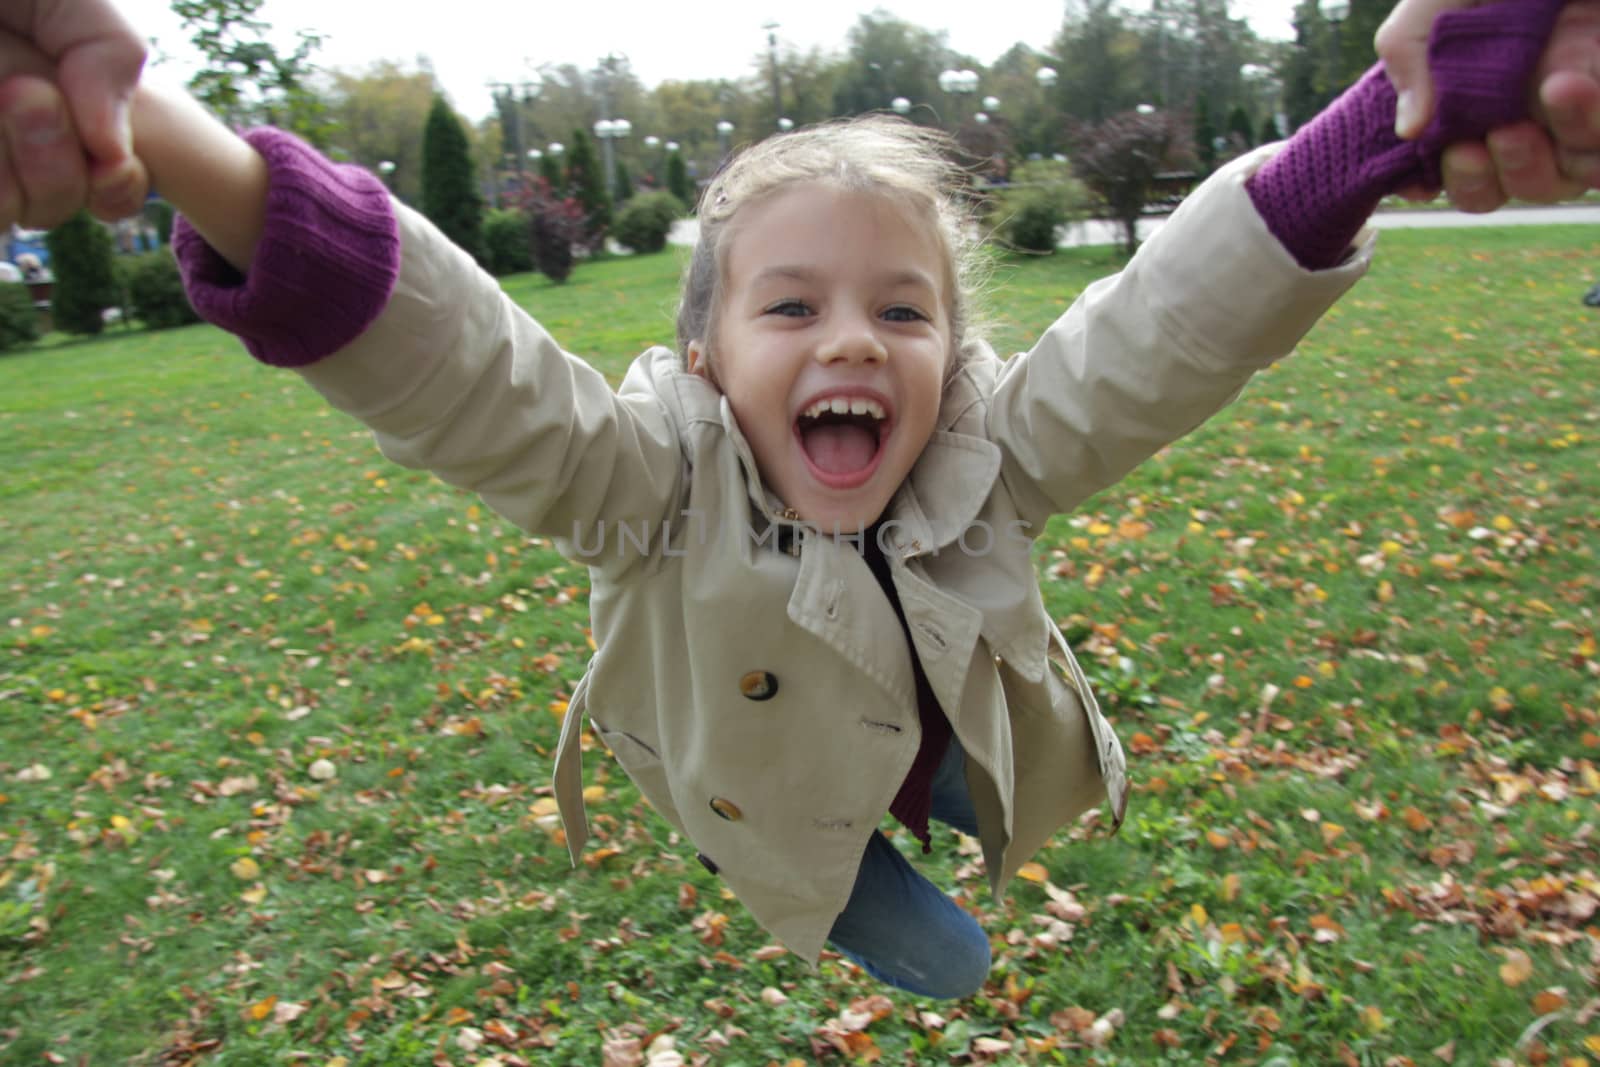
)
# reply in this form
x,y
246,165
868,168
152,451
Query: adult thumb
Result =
x,y
1402,45
98,79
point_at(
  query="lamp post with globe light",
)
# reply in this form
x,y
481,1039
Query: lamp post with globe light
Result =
x,y
608,131
724,132
900,105
1335,12
958,83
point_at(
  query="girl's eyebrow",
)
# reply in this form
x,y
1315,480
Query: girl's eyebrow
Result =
x,y
908,276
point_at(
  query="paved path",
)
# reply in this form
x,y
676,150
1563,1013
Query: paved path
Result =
x,y
1099,232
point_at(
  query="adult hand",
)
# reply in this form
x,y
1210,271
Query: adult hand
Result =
x,y
1553,157
68,70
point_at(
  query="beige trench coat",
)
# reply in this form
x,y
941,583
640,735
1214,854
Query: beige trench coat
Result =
x,y
750,676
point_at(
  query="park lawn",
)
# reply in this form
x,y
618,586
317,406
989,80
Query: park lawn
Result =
x,y
1346,631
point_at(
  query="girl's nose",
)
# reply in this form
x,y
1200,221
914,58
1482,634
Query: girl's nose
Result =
x,y
852,341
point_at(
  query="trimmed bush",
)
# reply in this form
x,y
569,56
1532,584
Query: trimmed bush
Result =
x,y
82,258
155,290
1042,197
555,228
505,242
644,222
19,323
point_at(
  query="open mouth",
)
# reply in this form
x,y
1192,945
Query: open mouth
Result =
x,y
842,438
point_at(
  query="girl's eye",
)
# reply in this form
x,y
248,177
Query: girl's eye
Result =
x,y
902,313
789,308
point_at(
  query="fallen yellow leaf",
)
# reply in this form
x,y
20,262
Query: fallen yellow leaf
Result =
x,y
245,869
1517,968
1033,872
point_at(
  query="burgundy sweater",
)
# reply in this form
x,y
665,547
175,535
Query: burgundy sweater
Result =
x,y
330,251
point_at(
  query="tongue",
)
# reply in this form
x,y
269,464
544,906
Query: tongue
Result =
x,y
840,448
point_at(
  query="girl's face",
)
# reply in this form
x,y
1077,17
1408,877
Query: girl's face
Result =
x,y
831,341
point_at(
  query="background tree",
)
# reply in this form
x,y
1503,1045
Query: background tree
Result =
x,y
1034,124
809,82
1099,73
246,79
1240,129
1121,158
1205,134
622,188
587,185
377,113
888,57
1302,72
550,172
678,183
81,258
449,193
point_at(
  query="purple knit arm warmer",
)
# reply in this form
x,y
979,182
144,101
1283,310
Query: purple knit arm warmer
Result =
x,y
1317,193
327,262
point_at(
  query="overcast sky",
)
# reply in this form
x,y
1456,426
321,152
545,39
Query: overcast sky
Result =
x,y
472,42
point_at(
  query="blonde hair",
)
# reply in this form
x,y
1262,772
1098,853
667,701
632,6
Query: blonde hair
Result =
x,y
888,156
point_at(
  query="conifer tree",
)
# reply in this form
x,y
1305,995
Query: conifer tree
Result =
x,y
450,195
678,180
587,185
81,258
622,188
550,171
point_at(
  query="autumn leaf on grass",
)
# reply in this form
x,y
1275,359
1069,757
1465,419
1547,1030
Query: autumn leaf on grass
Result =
x,y
1033,872
1517,968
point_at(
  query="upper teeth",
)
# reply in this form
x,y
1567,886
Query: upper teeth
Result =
x,y
856,405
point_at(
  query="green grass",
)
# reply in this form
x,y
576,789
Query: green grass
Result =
x,y
1347,632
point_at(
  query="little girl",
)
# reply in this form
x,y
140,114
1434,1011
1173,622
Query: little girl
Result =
x,y
809,525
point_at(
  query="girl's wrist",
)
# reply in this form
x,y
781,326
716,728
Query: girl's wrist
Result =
x,y
210,174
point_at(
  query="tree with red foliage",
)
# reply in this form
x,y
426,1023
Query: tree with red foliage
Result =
x,y
555,226
1124,160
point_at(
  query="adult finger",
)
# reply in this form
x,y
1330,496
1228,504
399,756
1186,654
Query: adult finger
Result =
x,y
1469,177
98,56
47,171
1570,103
1402,45
98,80
1527,166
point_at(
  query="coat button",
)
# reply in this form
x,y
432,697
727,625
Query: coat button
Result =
x,y
727,809
707,862
759,685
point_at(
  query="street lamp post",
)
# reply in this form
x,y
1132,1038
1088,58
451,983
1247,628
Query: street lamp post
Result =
x,y
901,105
958,83
772,61
1335,11
506,97
1259,77
724,131
608,131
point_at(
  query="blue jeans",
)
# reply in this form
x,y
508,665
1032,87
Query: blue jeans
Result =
x,y
900,927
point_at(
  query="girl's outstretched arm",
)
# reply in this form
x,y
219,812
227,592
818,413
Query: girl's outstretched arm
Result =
x,y
211,175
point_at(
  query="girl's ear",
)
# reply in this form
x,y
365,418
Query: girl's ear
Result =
x,y
698,361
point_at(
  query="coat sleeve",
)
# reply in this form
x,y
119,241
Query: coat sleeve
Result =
x,y
455,378
1145,356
